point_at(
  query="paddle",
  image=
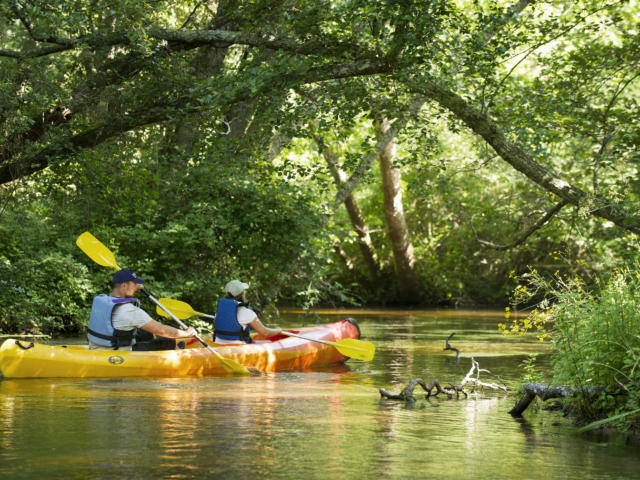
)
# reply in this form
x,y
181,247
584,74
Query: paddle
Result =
x,y
349,347
100,254
180,309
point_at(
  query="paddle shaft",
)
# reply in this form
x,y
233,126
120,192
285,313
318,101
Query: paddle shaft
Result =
x,y
177,320
326,342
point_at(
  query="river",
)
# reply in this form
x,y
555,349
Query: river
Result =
x,y
328,423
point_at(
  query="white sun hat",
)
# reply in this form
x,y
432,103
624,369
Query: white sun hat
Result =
x,y
236,287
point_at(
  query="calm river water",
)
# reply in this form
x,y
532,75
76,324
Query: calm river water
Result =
x,y
321,424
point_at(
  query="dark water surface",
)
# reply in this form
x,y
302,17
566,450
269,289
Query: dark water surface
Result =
x,y
322,424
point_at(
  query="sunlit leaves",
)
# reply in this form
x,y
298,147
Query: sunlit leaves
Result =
x,y
557,78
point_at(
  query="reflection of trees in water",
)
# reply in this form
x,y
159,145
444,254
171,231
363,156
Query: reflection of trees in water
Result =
x,y
7,408
249,427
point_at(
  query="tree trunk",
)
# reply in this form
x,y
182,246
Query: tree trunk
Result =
x,y
355,214
407,281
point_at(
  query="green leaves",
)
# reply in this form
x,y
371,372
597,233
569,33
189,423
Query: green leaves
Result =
x,y
199,143
596,341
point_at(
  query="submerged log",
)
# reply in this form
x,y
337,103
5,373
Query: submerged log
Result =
x,y
407,393
450,390
545,392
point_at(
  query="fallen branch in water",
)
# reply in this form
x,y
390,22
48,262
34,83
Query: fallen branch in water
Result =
x,y
449,347
545,392
476,381
407,393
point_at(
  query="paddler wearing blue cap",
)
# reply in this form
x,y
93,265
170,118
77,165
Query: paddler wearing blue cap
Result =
x,y
117,322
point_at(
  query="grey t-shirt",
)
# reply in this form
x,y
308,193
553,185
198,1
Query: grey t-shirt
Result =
x,y
125,317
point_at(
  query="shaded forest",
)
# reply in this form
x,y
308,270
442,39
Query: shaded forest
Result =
x,y
356,152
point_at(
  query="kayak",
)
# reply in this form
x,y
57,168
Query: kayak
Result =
x,y
21,359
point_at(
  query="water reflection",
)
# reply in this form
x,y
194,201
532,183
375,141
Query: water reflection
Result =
x,y
325,423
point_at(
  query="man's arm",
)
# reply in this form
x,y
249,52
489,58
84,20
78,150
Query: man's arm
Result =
x,y
162,330
129,316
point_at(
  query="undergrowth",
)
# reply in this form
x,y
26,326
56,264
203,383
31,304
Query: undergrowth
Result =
x,y
595,335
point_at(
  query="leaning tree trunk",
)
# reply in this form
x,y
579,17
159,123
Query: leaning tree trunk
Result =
x,y
355,214
407,280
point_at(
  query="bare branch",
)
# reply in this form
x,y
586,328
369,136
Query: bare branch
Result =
x,y
476,381
190,16
530,231
449,347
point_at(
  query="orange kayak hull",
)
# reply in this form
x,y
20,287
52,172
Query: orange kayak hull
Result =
x,y
21,359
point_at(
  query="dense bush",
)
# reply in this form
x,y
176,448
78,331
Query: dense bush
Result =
x,y
44,293
596,340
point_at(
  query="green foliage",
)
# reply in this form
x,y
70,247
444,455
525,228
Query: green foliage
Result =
x,y
165,149
43,288
45,293
596,341
529,367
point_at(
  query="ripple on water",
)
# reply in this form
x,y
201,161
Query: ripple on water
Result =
x,y
325,423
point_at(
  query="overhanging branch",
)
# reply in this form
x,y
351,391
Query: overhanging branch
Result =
x,y
16,166
526,234
482,125
193,38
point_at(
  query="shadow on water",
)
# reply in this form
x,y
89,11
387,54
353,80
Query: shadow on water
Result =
x,y
321,423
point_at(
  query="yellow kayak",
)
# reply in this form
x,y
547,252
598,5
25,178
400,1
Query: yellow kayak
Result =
x,y
21,359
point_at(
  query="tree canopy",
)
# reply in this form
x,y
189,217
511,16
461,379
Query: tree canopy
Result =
x,y
191,134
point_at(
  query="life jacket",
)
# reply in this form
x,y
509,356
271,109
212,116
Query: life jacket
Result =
x,y
226,324
101,331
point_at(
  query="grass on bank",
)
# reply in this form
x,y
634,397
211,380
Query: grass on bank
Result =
x,y
595,334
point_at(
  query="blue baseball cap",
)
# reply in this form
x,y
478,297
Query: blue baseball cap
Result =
x,y
126,275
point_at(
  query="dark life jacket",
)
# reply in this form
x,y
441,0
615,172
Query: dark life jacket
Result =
x,y
226,324
101,331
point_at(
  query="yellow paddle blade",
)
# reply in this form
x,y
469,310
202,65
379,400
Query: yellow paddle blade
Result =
x,y
354,348
234,367
96,251
180,309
